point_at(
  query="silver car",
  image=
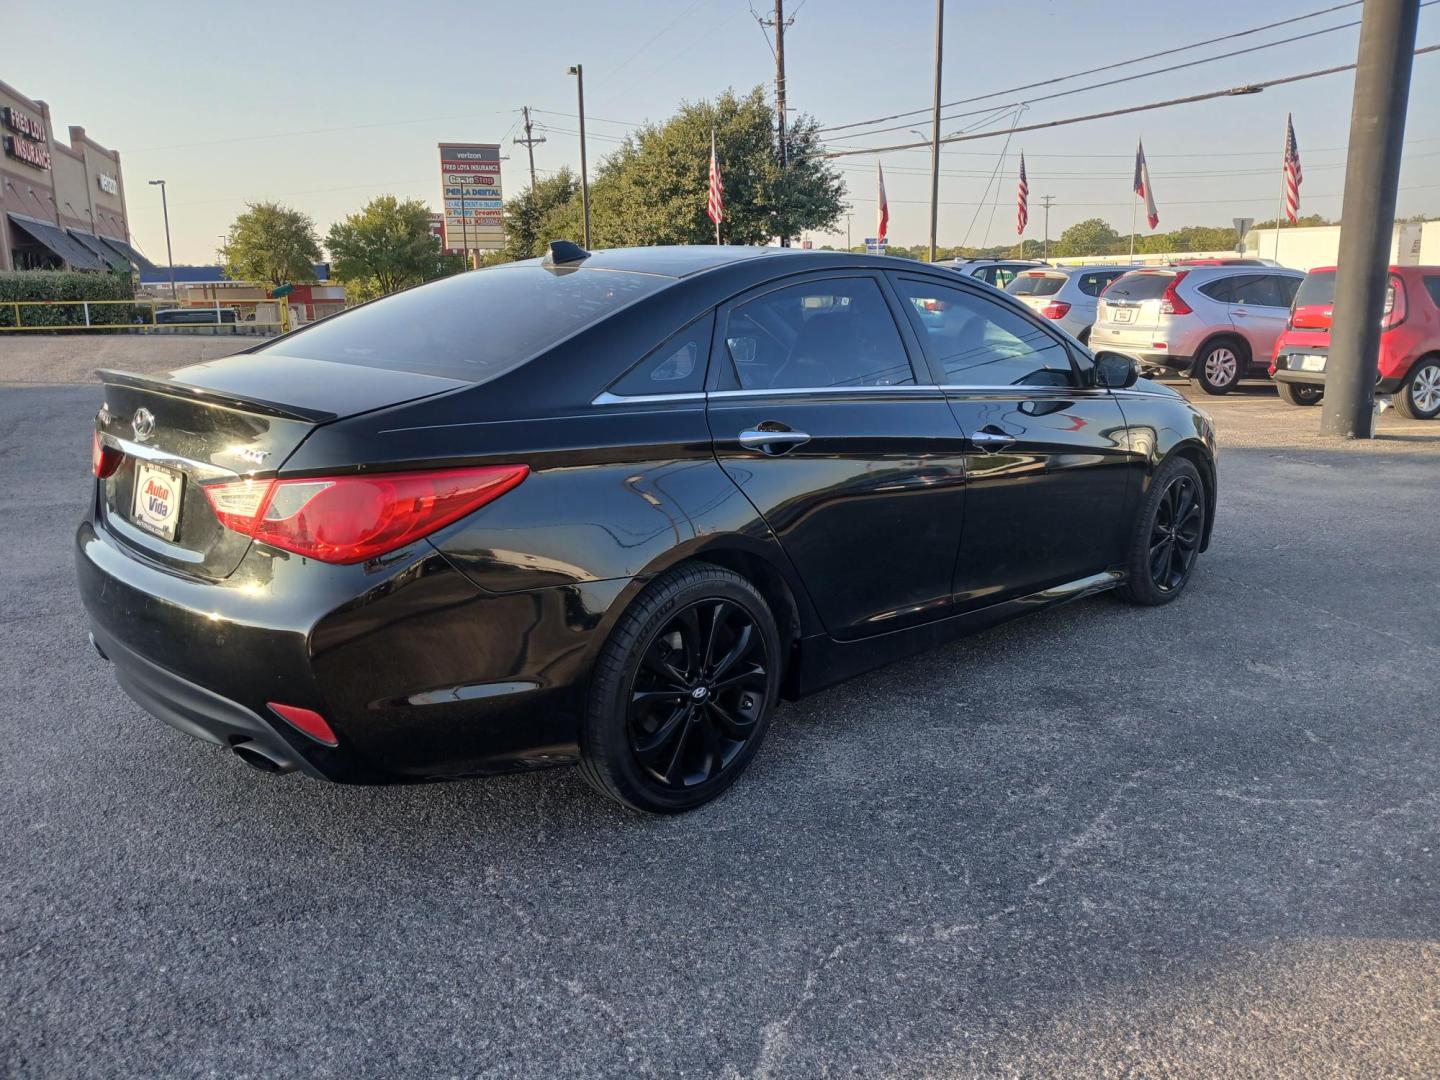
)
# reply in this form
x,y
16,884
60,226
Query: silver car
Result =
x,y
997,272
1217,324
1066,295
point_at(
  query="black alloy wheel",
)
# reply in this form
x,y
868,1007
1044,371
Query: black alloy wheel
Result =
x,y
698,693
1167,537
683,692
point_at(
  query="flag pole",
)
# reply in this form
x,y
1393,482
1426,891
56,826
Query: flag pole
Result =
x,y
1280,215
1134,206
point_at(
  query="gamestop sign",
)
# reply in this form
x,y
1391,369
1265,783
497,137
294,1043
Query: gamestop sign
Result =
x,y
470,193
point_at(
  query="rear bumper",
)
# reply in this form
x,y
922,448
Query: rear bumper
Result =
x,y
420,673
1384,384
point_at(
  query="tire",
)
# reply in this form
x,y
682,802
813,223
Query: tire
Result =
x,y
1084,337
650,739
1220,366
1419,398
1300,393
1154,537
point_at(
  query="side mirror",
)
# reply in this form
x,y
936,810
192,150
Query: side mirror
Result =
x,y
1116,371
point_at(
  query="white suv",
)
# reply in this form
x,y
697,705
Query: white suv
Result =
x,y
1218,324
1066,295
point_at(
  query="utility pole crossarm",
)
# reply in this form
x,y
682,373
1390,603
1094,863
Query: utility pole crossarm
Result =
x,y
529,142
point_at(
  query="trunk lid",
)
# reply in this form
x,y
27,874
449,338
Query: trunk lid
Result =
x,y
232,419
1314,302
1133,300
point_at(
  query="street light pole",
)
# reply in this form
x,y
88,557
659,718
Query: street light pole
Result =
x,y
1367,215
169,255
935,129
578,71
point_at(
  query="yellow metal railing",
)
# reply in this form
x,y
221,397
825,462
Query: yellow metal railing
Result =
x,y
148,315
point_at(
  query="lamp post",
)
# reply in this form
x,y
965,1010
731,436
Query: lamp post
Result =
x,y
169,255
578,71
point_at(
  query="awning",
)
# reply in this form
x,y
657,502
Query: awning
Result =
x,y
104,252
54,238
129,252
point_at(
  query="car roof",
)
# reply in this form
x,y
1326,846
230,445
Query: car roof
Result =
x,y
1202,272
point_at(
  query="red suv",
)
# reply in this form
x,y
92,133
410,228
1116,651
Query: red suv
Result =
x,y
1409,341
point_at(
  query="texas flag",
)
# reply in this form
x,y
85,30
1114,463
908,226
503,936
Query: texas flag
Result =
x,y
882,221
1142,186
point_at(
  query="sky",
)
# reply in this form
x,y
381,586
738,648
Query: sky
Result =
x,y
324,106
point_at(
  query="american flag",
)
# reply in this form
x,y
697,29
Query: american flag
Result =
x,y
1142,185
1293,175
716,205
882,213
1022,200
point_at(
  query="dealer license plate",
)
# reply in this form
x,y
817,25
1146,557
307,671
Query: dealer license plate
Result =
x,y
157,499
1123,314
1307,362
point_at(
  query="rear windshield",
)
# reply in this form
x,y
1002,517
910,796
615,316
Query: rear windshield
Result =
x,y
473,326
1035,285
1317,290
1139,286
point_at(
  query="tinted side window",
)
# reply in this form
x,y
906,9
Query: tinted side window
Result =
x,y
1260,290
1432,286
676,367
1222,290
1093,283
1003,276
830,332
981,343
1288,286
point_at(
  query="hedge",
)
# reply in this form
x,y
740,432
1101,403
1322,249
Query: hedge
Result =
x,y
69,285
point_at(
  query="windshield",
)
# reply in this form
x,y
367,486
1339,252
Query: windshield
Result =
x,y
1139,286
1317,290
473,326
1036,285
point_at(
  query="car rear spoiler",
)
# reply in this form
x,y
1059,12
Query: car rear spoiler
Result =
x,y
164,385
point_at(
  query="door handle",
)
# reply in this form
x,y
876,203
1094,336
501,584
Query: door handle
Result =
x,y
991,441
1240,313
772,443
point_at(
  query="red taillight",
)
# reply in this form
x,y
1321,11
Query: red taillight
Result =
x,y
104,460
1395,304
306,721
1055,309
348,519
1170,302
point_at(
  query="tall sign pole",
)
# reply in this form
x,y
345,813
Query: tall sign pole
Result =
x,y
1367,215
935,129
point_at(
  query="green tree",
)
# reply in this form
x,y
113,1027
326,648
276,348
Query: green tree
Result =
x,y
652,190
528,214
271,244
385,247
1092,236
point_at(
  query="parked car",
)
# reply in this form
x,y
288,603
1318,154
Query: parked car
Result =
x,y
654,492
1409,341
996,272
1066,295
1218,324
194,316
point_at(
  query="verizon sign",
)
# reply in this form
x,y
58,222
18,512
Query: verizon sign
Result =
x,y
470,192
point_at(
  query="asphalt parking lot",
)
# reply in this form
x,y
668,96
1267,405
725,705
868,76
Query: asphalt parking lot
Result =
x,y
1191,841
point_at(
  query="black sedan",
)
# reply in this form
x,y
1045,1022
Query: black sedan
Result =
x,y
609,508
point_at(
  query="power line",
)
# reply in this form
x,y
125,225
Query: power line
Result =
x,y
1234,91
1142,74
1097,70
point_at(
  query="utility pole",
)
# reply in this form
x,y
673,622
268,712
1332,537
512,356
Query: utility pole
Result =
x,y
1046,201
780,25
169,256
935,129
529,142
578,71
847,231
1367,215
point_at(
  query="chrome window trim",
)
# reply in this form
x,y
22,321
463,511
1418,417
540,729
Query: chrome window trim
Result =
x,y
607,398
904,389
